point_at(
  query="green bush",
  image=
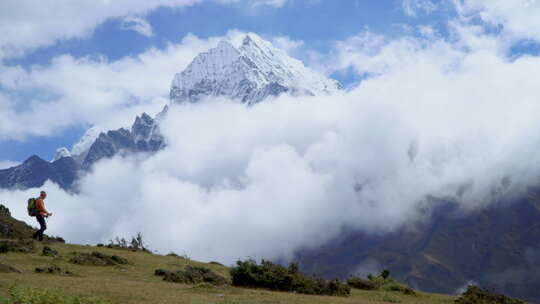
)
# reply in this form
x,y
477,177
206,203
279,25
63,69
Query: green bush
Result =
x,y
136,244
48,251
359,283
191,275
477,295
276,277
97,259
28,295
4,211
380,282
22,246
4,248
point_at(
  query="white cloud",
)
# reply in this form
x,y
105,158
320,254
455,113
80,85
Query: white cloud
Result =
x,y
91,91
258,3
137,24
275,3
519,19
413,7
27,25
4,164
287,44
427,31
95,91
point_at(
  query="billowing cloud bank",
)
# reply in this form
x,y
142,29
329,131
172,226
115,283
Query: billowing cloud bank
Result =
x,y
445,118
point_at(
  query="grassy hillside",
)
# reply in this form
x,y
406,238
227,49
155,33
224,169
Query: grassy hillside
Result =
x,y
120,275
130,276
136,282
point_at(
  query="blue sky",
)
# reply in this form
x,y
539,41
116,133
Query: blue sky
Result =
x,y
318,24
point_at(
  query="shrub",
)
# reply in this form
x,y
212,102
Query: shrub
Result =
x,y
276,277
97,259
7,269
380,282
4,248
53,270
362,284
4,211
160,272
56,239
136,243
191,275
48,251
477,295
22,246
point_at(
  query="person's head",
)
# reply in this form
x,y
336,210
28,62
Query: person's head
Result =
x,y
43,194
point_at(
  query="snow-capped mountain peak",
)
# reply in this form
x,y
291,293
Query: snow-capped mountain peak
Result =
x,y
250,73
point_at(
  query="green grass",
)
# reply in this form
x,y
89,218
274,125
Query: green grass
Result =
x,y
29,295
136,283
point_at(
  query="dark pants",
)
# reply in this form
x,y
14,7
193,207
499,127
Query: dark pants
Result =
x,y
43,225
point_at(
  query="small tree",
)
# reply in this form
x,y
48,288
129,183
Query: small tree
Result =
x,y
137,242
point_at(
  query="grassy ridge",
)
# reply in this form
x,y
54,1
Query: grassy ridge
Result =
x,y
136,283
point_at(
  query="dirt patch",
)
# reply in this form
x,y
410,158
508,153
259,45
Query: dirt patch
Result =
x,y
54,270
8,269
98,259
191,275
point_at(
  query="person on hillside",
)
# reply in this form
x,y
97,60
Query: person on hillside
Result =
x,y
42,213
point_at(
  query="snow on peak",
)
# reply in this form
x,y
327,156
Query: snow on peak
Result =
x,y
250,72
86,141
61,152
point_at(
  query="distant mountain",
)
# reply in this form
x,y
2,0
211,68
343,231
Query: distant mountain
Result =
x,y
250,73
66,166
144,136
34,172
497,247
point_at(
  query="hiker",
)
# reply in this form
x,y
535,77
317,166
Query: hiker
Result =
x,y
41,214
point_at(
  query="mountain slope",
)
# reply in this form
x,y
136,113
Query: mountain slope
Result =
x,y
496,247
135,282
